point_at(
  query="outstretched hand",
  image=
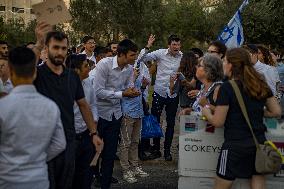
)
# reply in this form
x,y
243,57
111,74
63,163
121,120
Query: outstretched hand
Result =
x,y
42,28
151,40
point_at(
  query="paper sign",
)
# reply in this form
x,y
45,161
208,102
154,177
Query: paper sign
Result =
x,y
199,152
52,12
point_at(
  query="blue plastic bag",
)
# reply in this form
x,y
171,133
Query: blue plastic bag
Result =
x,y
151,127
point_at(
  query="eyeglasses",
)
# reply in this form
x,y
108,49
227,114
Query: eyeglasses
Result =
x,y
209,51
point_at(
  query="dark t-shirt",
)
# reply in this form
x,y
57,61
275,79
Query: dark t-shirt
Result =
x,y
184,100
63,89
236,128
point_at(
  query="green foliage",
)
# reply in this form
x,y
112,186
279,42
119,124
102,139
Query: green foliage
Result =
x,y
15,32
263,20
264,23
108,20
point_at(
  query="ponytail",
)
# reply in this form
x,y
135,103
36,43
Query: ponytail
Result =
x,y
254,84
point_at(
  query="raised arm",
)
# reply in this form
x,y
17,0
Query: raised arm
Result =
x,y
42,28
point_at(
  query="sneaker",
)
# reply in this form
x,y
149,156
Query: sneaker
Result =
x,y
129,177
139,172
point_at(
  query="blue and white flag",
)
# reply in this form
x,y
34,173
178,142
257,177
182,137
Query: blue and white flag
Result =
x,y
232,35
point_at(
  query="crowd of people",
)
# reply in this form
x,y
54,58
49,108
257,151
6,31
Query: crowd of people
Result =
x,y
60,107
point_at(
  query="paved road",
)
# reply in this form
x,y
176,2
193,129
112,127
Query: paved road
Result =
x,y
163,174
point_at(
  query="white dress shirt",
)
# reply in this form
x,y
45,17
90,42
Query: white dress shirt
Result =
x,y
8,86
31,133
166,65
80,124
109,82
270,74
92,57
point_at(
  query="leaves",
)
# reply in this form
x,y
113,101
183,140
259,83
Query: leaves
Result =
x,y
15,32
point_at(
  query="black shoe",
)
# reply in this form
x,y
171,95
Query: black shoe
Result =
x,y
168,157
114,180
154,155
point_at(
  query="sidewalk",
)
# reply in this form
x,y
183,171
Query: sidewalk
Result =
x,y
163,174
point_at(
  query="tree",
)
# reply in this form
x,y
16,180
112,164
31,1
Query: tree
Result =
x,y
188,20
264,23
110,19
15,32
262,20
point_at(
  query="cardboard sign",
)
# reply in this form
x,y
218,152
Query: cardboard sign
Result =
x,y
52,12
199,152
208,183
191,123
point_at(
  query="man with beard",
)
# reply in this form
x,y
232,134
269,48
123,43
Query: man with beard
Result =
x,y
5,75
64,87
3,49
113,46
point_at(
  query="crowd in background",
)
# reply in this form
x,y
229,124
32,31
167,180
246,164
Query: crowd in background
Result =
x,y
61,106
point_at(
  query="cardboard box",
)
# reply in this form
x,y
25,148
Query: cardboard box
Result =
x,y
199,152
191,123
208,183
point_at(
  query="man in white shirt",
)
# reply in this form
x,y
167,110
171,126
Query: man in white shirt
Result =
x,y
5,74
269,72
89,45
84,148
168,61
112,77
31,128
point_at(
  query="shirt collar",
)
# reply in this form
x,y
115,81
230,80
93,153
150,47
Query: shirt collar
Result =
x,y
167,52
89,57
24,88
8,82
51,72
115,64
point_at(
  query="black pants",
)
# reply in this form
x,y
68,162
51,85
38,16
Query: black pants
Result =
x,y
61,168
84,155
109,132
171,109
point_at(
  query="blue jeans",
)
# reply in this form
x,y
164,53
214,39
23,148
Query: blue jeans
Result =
x,y
171,104
109,132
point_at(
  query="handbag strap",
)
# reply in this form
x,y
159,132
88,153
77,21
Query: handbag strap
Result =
x,y
243,108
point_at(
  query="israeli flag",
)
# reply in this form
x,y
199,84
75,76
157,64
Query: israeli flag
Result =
x,y
232,35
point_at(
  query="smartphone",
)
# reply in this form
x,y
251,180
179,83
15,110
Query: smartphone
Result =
x,y
181,76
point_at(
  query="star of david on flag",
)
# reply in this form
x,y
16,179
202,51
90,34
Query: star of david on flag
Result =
x,y
232,35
